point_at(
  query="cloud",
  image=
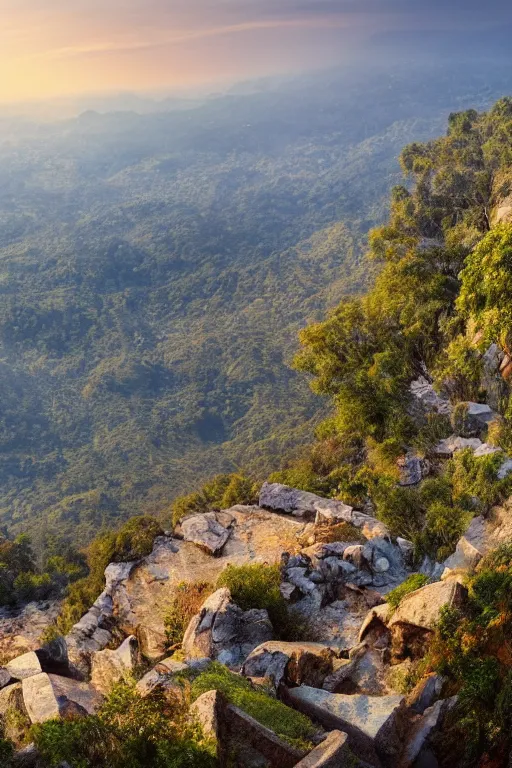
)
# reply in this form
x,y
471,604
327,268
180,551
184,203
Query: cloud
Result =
x,y
49,46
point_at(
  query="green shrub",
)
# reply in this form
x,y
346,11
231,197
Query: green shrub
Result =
x,y
32,586
222,492
444,525
471,647
411,584
127,732
6,754
284,721
436,427
476,477
256,585
399,508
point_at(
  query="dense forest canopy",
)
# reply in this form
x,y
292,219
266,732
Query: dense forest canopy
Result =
x,y
155,270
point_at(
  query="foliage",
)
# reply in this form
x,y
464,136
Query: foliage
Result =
x,y
485,281
411,584
443,278
6,754
185,603
222,492
284,721
128,731
22,580
472,648
256,585
131,541
477,477
157,268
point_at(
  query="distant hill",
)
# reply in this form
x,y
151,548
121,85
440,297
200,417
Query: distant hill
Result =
x,y
155,270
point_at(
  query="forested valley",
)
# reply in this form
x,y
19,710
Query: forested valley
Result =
x,y
155,270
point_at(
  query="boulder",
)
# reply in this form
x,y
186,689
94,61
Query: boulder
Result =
x,y
446,448
110,667
505,469
422,730
47,697
422,607
486,450
24,666
425,693
290,663
9,697
428,399
221,630
478,416
206,532
412,469
385,562
364,673
52,657
206,710
140,601
417,615
470,549
406,547
13,713
5,677
282,498
373,723
332,752
160,675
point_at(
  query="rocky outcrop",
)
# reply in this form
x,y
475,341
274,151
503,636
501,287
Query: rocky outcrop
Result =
x,y
428,400
470,419
446,448
425,693
332,752
418,614
222,631
373,723
423,729
26,665
282,498
210,530
110,667
242,741
291,663
469,550
47,697
21,629
141,599
161,675
94,630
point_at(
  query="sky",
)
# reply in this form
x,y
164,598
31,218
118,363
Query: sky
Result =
x,y
50,48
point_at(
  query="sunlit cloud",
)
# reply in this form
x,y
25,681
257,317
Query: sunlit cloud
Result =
x,y
50,47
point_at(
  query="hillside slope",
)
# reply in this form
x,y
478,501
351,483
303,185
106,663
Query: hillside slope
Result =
x,y
154,272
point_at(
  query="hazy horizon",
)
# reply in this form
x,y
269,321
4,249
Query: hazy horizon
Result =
x,y
79,47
